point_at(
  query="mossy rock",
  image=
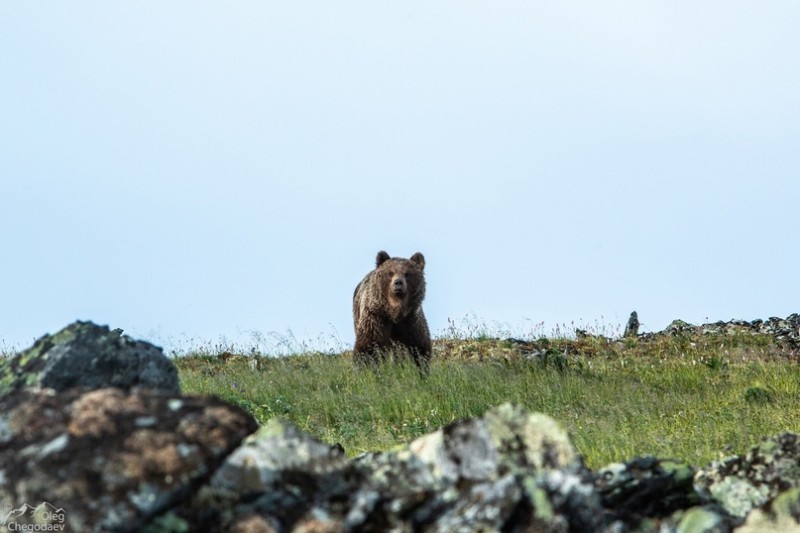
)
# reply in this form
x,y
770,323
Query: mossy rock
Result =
x,y
87,355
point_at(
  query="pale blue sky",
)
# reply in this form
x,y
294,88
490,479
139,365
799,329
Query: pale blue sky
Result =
x,y
193,171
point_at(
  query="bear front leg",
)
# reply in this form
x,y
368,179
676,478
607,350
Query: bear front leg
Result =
x,y
373,336
413,333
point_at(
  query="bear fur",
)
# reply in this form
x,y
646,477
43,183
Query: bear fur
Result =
x,y
387,309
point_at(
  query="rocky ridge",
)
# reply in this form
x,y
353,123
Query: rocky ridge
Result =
x,y
784,330
124,450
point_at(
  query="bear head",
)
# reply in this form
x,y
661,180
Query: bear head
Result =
x,y
401,279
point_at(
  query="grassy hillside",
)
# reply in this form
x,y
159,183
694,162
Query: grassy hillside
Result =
x,y
691,397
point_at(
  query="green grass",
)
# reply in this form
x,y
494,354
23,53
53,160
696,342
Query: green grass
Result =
x,y
690,398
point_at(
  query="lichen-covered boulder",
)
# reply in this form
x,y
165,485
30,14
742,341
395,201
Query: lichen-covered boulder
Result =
x,y
646,487
781,514
277,447
509,470
652,494
287,475
743,483
277,479
678,327
90,356
112,460
705,519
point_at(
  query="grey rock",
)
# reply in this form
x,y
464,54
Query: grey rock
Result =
x,y
678,327
702,520
743,483
781,514
259,463
555,488
86,453
646,487
279,478
509,470
486,506
90,356
648,494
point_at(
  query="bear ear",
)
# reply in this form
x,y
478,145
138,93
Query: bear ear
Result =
x,y
419,259
382,256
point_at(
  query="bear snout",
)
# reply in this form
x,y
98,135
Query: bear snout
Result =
x,y
399,286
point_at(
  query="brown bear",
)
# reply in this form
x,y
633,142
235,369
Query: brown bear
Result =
x,y
387,309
